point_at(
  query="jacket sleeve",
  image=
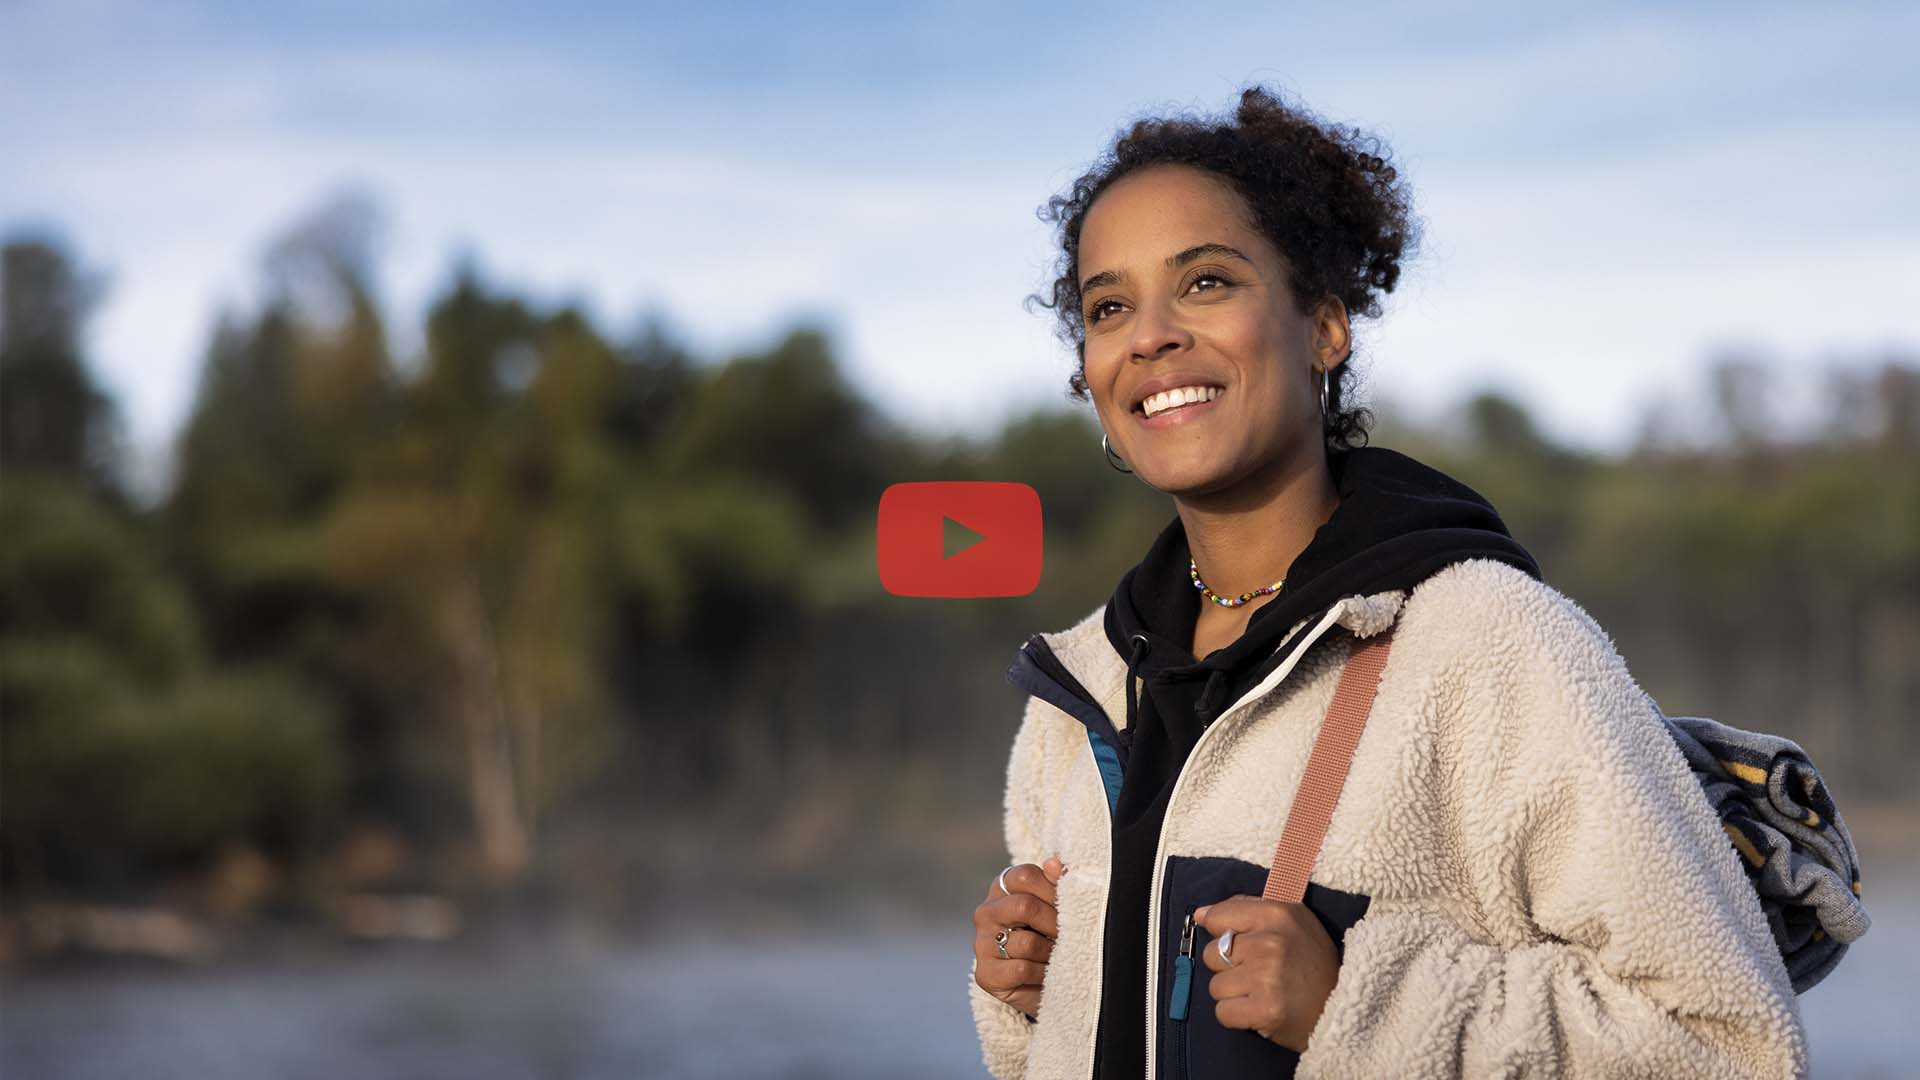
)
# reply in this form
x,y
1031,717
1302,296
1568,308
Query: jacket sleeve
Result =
x,y
1004,1030
1608,929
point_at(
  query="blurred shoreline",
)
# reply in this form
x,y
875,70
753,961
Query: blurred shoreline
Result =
x,y
775,888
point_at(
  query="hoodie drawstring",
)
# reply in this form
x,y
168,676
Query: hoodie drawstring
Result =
x,y
1138,652
1203,708
1210,696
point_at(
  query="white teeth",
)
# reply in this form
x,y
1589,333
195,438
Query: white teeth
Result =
x,y
1173,399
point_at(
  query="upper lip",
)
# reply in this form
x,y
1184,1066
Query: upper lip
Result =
x,y
1170,381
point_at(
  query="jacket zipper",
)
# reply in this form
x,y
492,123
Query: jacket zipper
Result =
x,y
1182,995
1160,846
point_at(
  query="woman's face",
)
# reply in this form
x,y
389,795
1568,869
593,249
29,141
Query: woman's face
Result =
x,y
1179,290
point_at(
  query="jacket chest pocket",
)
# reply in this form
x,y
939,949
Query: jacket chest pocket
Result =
x,y
1190,1043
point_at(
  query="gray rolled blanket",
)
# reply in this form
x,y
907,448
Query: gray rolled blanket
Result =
x,y
1796,849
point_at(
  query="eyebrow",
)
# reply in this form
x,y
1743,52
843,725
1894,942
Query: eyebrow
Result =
x,y
1174,261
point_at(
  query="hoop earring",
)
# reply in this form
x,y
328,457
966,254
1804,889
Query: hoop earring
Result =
x,y
1113,459
1324,380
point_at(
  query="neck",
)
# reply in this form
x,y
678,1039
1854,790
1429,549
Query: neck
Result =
x,y
1248,536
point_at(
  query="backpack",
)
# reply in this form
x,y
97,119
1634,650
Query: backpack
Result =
x,y
1796,849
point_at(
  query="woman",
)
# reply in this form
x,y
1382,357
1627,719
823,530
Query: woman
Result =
x,y
1521,876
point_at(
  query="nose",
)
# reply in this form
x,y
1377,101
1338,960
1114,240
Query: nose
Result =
x,y
1157,331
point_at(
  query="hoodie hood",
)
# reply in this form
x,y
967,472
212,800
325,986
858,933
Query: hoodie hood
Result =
x,y
1399,521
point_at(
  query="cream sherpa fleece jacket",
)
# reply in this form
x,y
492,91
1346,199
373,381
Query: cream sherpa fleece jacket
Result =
x,y
1550,893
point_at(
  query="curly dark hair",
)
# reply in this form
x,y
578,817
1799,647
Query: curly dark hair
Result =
x,y
1324,195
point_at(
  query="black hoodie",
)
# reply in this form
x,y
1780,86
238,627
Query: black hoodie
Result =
x,y
1398,522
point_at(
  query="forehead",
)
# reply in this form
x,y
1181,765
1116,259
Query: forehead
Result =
x,y
1162,209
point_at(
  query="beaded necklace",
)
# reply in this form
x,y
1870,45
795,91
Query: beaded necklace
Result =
x,y
1193,571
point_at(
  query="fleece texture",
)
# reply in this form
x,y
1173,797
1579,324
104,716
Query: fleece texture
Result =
x,y
1551,893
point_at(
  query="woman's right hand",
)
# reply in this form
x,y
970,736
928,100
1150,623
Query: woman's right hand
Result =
x,y
1029,910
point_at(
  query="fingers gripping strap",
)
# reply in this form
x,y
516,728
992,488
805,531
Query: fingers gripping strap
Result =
x,y
1327,768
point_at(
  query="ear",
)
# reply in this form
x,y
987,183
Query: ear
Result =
x,y
1332,333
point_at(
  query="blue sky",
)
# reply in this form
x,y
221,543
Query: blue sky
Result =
x,y
1609,197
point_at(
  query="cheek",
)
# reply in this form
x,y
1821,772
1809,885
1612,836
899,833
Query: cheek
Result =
x,y
1258,358
1241,332
1101,368
1103,357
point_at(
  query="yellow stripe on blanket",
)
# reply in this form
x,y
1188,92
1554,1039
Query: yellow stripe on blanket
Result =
x,y
1758,776
1745,846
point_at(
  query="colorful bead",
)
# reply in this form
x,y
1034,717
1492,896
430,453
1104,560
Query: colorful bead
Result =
x,y
1193,571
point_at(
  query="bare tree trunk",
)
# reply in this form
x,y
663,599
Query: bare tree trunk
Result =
x,y
492,788
528,725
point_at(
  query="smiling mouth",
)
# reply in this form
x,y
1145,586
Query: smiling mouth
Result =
x,y
1176,399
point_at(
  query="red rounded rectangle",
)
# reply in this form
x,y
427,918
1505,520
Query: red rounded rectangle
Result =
x,y
1004,561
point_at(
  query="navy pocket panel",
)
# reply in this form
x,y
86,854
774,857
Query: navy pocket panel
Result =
x,y
1198,1047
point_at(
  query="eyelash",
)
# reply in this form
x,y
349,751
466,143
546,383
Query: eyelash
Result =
x,y
1093,313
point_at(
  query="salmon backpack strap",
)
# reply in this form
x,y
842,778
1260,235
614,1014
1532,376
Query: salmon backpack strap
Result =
x,y
1326,773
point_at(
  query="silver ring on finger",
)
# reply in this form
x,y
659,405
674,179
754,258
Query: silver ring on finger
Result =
x,y
1003,882
1000,941
1226,948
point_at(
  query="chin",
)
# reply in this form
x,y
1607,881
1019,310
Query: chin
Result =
x,y
1188,478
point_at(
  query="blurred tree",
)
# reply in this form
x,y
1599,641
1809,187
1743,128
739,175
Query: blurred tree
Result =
x,y
52,416
656,375
476,543
1058,453
295,402
478,356
1877,402
1502,427
286,404
1534,482
786,417
103,690
1898,429
1742,387
75,570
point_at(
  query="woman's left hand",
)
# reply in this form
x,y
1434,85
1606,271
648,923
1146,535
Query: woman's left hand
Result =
x,y
1283,970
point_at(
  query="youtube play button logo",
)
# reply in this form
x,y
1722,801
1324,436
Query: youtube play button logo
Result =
x,y
968,538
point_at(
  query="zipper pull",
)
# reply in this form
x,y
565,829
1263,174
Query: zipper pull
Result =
x,y
1183,972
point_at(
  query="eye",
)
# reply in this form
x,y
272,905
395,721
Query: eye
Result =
x,y
1098,310
1208,275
